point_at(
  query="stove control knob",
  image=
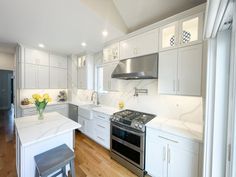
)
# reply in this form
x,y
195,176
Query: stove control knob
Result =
x,y
140,126
136,125
117,119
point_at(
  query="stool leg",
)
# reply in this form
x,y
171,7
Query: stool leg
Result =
x,y
36,173
64,171
72,168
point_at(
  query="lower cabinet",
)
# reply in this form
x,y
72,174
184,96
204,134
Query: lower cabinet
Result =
x,y
60,108
87,126
171,156
102,129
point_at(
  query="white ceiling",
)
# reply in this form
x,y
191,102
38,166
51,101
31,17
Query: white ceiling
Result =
x,y
62,25
139,13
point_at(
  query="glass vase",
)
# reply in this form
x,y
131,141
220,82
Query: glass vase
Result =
x,y
40,114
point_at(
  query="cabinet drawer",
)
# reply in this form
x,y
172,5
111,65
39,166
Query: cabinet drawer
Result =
x,y
56,107
174,140
102,127
101,116
103,140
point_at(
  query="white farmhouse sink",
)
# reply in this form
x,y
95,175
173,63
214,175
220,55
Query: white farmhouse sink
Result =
x,y
85,111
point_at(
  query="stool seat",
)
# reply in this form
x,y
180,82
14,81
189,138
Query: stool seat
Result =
x,y
53,160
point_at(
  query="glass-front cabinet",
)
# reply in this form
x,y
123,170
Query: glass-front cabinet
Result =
x,y
187,31
168,36
111,53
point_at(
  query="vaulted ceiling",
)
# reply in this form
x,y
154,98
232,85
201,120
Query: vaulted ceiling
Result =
x,y
62,25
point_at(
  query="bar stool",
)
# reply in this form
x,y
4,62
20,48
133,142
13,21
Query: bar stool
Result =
x,y
53,160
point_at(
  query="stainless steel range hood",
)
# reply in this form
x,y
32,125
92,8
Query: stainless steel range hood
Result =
x,y
144,67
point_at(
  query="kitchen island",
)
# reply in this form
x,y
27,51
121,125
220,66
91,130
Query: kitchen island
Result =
x,y
35,136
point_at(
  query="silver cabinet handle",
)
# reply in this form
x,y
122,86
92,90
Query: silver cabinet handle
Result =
x,y
101,117
164,153
168,139
168,154
178,85
100,138
173,85
101,126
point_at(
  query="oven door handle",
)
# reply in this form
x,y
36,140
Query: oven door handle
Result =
x,y
128,130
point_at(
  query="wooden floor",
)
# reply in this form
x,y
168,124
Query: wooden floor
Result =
x,y
91,160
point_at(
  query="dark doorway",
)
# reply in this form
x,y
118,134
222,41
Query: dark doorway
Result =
x,y
6,89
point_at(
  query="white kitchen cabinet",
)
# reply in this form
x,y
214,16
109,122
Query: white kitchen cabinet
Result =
x,y
87,126
143,44
43,77
168,62
111,53
86,72
185,32
58,61
156,157
60,108
190,30
180,71
168,155
36,76
38,57
109,84
102,129
189,70
58,78
168,36
31,76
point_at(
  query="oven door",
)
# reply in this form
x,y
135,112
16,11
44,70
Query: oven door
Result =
x,y
128,143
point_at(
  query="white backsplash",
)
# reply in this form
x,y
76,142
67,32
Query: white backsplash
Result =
x,y
168,106
27,93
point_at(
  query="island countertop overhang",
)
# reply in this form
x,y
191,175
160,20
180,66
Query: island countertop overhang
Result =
x,y
31,130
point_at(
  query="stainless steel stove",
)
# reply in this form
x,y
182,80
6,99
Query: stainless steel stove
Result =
x,y
128,134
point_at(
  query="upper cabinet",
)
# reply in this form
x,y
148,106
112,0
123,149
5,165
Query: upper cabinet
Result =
x,y
139,45
187,31
111,53
40,70
58,61
33,56
180,71
168,36
85,72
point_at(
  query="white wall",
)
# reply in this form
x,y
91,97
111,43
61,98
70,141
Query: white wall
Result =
x,y
6,61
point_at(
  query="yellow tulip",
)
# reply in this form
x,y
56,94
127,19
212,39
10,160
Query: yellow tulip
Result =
x,y
40,99
45,96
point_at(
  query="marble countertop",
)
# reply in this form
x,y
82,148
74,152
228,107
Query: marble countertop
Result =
x,y
189,130
106,110
52,103
32,130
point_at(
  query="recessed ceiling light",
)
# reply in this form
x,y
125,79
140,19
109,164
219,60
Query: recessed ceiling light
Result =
x,y
83,44
41,45
104,33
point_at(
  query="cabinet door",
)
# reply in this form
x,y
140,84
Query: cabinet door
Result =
x,y
111,53
182,162
156,157
81,121
168,36
167,72
31,76
36,57
43,77
146,43
58,61
190,30
127,48
54,78
190,69
62,78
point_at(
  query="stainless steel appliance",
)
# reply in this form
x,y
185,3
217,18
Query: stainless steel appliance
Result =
x,y
143,67
128,134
